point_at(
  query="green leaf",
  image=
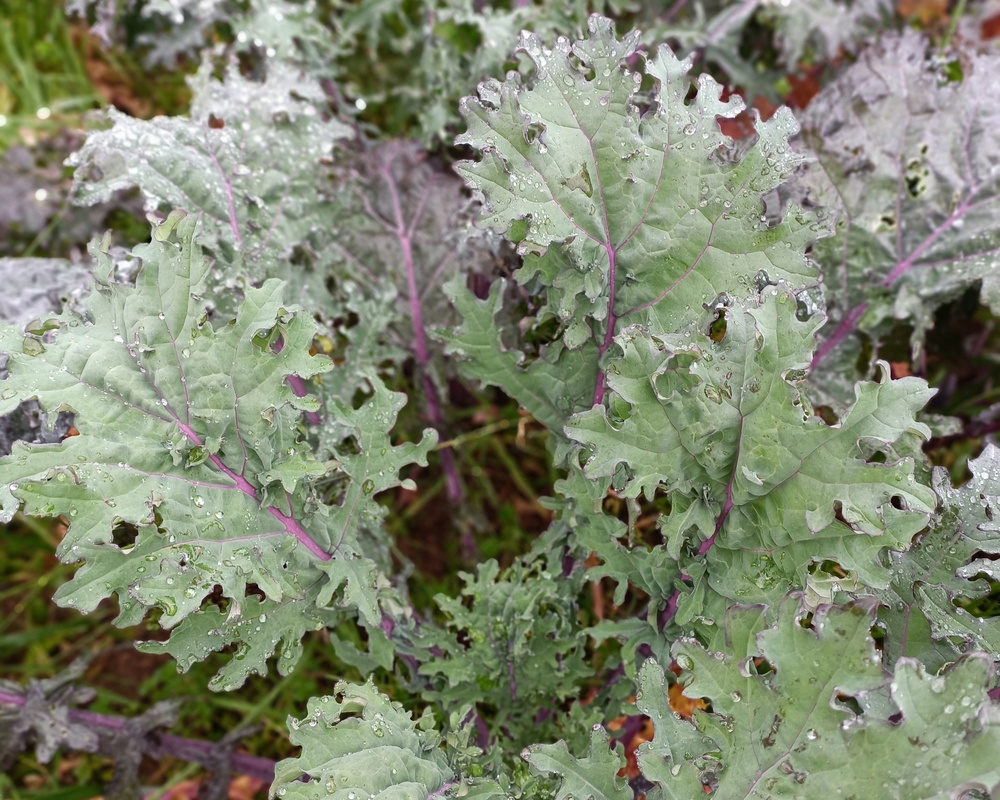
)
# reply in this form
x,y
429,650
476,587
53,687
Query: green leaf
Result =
x,y
590,778
511,642
945,565
905,158
755,481
678,752
247,159
360,340
579,508
790,732
402,229
644,215
359,743
826,27
189,473
550,387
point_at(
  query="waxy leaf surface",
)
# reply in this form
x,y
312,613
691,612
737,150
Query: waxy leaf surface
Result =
x,y
623,214
945,565
907,159
593,777
189,473
791,732
247,158
754,479
358,743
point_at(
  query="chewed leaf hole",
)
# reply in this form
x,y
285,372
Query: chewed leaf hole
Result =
x,y
124,534
916,179
586,70
253,590
717,329
581,180
270,340
533,132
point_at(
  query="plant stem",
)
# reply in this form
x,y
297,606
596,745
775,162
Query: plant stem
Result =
x,y
434,408
167,744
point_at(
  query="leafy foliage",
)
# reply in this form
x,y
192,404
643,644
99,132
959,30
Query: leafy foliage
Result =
x,y
246,159
44,717
826,26
593,776
791,729
647,219
743,528
188,433
717,412
520,632
396,209
379,752
905,158
946,566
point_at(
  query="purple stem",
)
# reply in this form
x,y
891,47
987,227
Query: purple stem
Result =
x,y
230,199
513,680
672,11
169,744
843,329
405,234
727,507
671,608
903,266
482,733
291,525
907,263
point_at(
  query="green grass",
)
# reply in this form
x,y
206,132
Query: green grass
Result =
x,y
44,82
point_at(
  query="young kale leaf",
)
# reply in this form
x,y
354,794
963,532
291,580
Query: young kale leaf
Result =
x,y
594,777
791,731
627,215
511,644
359,743
246,159
907,159
189,439
755,481
550,386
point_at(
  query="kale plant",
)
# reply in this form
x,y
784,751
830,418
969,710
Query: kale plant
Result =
x,y
807,590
